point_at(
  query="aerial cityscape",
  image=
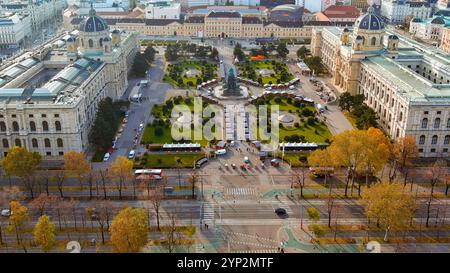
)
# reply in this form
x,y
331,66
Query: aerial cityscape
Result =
x,y
221,126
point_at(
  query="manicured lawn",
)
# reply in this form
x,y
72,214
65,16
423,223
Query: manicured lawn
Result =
x,y
294,158
285,106
322,135
161,113
166,160
252,68
317,132
150,137
177,71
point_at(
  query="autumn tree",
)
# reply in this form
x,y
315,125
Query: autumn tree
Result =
x,y
7,195
121,169
43,203
405,151
320,160
348,150
18,222
23,164
44,233
434,174
129,230
390,205
77,165
377,152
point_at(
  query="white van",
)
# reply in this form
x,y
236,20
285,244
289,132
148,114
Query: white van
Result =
x,y
106,157
221,152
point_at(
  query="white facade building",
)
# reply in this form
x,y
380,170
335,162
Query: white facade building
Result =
x,y
49,96
405,82
398,11
159,9
14,29
430,29
40,12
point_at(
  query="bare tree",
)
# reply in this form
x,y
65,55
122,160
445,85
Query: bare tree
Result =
x,y
172,235
73,206
434,174
193,179
299,176
103,175
101,212
42,203
60,177
58,207
44,178
156,197
90,178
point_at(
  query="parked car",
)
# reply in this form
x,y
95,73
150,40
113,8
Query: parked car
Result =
x,y
141,127
131,154
106,157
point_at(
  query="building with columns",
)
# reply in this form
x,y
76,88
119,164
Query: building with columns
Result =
x,y
49,96
405,82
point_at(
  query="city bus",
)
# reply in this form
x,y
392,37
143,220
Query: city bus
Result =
x,y
157,173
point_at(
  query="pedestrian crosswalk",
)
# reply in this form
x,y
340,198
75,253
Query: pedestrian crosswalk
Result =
x,y
257,251
208,213
247,237
240,193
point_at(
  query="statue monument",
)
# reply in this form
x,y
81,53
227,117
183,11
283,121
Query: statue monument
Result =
x,y
231,86
230,89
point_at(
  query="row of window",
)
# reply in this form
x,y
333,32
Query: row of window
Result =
x,y
436,125
433,150
31,116
15,126
34,143
434,140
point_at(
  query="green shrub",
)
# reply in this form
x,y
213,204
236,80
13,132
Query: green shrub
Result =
x,y
159,131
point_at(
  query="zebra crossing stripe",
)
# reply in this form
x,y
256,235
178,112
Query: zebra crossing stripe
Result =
x,y
251,244
256,251
240,191
252,236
